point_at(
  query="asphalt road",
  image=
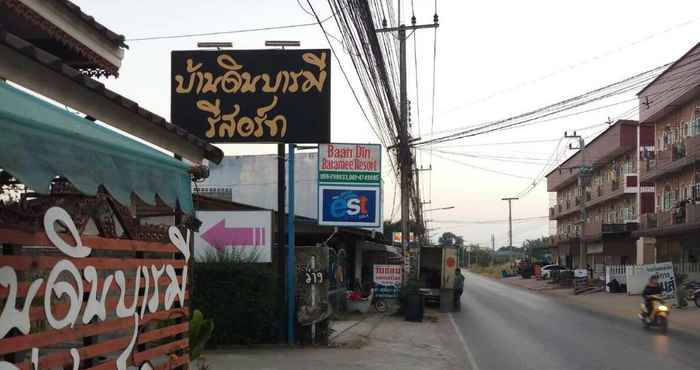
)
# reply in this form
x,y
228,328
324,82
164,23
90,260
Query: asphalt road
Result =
x,y
504,327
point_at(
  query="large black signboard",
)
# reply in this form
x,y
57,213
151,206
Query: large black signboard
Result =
x,y
263,96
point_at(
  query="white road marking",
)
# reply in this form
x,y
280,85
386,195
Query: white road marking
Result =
x,y
470,355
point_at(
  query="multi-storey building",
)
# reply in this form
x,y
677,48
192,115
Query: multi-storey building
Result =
x,y
670,106
607,191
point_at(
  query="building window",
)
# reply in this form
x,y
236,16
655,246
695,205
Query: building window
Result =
x,y
695,190
668,200
693,127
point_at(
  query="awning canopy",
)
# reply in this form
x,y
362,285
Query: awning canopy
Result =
x,y
39,141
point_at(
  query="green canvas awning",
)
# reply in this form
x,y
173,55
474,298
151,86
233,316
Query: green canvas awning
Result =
x,y
39,141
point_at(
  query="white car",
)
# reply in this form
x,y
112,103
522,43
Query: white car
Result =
x,y
547,270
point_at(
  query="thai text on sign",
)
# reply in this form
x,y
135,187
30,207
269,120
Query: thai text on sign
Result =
x,y
387,274
252,95
82,289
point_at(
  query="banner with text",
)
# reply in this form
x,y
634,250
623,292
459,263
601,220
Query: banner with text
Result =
x,y
349,185
350,164
387,281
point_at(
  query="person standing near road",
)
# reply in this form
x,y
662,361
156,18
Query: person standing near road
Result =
x,y
459,288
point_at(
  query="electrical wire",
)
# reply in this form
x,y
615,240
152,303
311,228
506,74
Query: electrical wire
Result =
x,y
230,32
481,168
604,92
571,67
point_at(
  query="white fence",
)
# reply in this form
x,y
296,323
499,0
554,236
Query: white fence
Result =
x,y
615,272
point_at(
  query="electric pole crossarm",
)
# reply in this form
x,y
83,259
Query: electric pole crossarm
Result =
x,y
416,27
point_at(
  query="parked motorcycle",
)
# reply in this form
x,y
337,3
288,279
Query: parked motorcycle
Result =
x,y
693,292
658,317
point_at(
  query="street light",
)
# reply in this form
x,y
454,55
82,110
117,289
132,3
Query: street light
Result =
x,y
282,43
438,209
217,45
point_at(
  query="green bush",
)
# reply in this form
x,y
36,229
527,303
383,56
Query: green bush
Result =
x,y
239,296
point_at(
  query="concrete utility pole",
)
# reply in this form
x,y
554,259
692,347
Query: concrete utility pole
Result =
x,y
510,226
493,248
583,180
404,149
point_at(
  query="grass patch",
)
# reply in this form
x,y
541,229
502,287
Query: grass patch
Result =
x,y
490,271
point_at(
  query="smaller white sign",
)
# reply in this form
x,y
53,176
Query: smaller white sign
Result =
x,y
387,274
581,273
638,277
247,233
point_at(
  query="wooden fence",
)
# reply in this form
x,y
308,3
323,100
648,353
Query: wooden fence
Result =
x,y
78,301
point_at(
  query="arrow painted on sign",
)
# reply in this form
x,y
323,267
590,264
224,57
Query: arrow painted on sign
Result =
x,y
219,236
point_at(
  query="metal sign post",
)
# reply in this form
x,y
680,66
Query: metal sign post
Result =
x,y
291,264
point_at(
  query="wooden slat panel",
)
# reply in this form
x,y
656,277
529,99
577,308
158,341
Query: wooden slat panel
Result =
x,y
12,236
23,287
104,263
43,339
140,357
60,310
58,359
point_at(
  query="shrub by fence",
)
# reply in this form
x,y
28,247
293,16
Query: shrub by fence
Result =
x,y
240,297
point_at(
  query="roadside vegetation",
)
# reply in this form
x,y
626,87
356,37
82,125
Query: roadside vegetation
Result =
x,y
493,271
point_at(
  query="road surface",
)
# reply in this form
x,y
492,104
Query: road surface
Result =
x,y
504,327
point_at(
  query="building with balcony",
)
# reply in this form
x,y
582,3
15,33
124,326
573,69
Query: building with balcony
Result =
x,y
607,190
670,105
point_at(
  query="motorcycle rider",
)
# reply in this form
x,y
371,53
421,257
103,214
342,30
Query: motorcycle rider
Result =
x,y
651,289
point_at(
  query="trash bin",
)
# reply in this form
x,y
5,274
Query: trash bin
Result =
x,y
414,307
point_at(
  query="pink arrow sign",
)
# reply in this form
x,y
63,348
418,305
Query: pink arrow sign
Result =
x,y
219,236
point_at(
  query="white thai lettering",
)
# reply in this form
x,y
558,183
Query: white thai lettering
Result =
x,y
144,303
122,309
96,307
154,302
61,288
59,214
11,317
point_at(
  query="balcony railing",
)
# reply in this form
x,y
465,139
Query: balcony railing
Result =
x,y
593,230
614,185
688,214
678,152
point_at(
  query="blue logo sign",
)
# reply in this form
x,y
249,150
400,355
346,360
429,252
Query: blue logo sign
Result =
x,y
348,206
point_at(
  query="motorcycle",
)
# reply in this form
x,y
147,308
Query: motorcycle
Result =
x,y
692,290
658,317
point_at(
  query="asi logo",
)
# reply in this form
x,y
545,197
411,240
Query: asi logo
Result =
x,y
349,204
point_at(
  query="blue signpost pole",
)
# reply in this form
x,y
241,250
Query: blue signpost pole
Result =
x,y
291,265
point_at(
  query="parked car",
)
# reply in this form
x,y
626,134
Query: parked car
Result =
x,y
546,270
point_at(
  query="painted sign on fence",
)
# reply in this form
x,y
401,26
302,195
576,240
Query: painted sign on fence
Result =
x,y
387,281
247,234
252,95
73,299
349,206
638,276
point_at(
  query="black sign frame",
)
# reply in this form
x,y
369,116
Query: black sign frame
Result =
x,y
252,96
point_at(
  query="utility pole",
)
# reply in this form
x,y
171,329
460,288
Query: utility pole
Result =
x,y
404,150
510,226
583,181
493,248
